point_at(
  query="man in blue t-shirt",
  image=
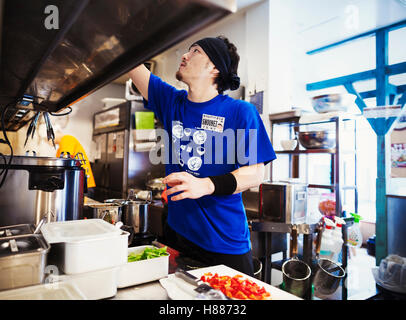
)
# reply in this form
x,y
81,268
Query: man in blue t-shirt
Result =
x,y
216,147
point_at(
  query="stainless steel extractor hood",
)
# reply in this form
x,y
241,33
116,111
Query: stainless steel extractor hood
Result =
x,y
96,42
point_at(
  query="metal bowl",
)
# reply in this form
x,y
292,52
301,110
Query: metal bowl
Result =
x,y
329,103
317,139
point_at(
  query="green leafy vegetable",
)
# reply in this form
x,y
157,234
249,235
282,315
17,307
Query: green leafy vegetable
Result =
x,y
148,253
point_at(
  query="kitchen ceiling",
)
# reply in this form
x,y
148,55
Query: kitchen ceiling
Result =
x,y
322,22
97,41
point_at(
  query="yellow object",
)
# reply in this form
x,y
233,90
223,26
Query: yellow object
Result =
x,y
72,145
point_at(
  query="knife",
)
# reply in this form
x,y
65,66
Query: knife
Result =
x,y
203,289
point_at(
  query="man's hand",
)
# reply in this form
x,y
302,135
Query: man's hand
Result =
x,y
191,186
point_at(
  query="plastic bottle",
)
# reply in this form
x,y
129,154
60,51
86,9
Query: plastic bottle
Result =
x,y
327,240
354,232
337,238
339,222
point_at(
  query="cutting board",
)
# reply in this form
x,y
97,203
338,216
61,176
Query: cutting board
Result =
x,y
179,289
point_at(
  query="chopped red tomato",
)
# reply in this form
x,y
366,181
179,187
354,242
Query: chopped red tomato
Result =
x,y
236,287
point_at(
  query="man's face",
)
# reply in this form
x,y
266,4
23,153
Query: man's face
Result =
x,y
195,65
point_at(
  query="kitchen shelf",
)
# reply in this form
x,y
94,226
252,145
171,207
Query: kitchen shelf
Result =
x,y
336,166
331,151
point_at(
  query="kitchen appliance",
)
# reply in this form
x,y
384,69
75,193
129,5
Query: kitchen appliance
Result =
x,y
317,139
284,202
85,245
118,167
42,186
22,261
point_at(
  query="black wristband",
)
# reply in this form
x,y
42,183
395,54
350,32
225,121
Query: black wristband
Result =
x,y
224,184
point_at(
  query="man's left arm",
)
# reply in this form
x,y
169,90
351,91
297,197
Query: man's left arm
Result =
x,y
249,176
191,187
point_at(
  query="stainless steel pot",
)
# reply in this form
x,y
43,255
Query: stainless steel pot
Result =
x,y
135,215
110,212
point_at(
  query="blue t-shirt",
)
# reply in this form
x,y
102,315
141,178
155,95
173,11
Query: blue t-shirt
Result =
x,y
208,139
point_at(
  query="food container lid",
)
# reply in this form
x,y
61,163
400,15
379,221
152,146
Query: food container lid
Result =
x,y
78,230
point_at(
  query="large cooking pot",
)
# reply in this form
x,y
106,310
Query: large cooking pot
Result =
x,y
135,215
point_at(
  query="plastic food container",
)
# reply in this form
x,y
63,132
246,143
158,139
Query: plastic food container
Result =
x,y
22,261
95,285
137,272
57,291
85,245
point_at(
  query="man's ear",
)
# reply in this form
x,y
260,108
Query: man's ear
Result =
x,y
215,72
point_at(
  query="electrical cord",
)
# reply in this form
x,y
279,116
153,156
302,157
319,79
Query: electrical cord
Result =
x,y
61,114
3,173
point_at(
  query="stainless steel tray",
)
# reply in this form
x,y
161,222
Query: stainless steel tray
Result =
x,y
22,260
16,230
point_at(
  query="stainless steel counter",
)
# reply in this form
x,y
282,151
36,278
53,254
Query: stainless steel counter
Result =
x,y
147,291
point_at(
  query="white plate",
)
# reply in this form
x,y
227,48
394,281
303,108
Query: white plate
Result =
x,y
179,289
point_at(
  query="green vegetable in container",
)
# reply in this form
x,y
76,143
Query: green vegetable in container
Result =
x,y
148,253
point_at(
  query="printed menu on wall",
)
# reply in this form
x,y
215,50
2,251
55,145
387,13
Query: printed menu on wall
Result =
x,y
398,150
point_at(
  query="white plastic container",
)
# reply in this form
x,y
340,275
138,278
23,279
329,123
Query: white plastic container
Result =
x,y
59,291
137,272
85,245
95,285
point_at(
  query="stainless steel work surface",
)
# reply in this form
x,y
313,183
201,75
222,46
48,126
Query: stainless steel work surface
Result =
x,y
147,291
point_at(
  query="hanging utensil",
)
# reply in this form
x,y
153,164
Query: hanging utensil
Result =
x,y
296,273
31,128
328,273
50,130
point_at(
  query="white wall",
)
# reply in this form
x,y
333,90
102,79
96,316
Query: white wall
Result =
x,y
298,26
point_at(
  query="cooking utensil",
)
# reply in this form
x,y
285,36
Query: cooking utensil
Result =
x,y
203,289
328,274
31,128
22,261
296,273
50,130
40,223
317,139
135,214
110,212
